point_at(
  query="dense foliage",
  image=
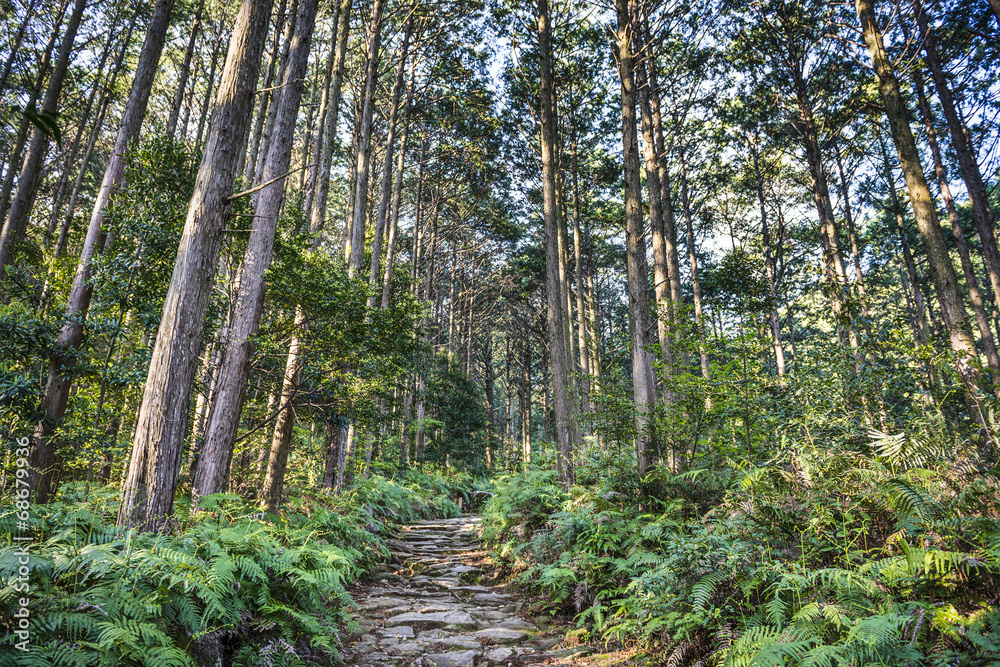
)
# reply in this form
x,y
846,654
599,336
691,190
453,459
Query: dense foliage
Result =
x,y
229,581
826,550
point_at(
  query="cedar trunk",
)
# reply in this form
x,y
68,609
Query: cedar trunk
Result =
x,y
148,493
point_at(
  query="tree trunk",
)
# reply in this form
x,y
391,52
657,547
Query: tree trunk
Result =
x,y
668,232
642,360
317,214
204,116
227,404
273,95
397,195
71,334
148,493
387,163
15,43
661,272
971,173
779,351
27,183
834,273
942,271
852,232
581,311
557,330
22,131
321,114
699,313
356,237
175,108
249,167
99,85
975,296
281,442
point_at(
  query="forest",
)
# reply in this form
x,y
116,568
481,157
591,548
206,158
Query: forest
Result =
x,y
690,306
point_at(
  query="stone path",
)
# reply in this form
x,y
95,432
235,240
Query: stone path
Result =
x,y
427,609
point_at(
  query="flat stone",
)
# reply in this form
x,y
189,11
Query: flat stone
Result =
x,y
400,631
490,597
439,619
491,615
406,648
500,654
503,635
452,659
461,641
517,624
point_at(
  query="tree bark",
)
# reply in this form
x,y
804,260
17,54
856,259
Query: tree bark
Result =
x,y
71,334
175,108
699,313
779,351
557,330
852,233
942,271
204,116
281,442
975,296
293,12
14,156
100,84
15,43
642,360
661,271
971,173
397,195
148,493
387,164
227,403
356,237
317,214
321,114
249,167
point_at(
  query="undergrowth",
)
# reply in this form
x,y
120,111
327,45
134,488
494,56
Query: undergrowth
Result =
x,y
873,556
229,582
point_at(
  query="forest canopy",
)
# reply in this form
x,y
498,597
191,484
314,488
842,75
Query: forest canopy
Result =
x,y
703,295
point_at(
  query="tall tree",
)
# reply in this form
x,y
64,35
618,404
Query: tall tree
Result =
x,y
942,271
71,334
355,249
643,382
148,493
234,369
557,329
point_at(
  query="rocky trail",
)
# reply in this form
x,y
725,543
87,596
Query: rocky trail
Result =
x,y
427,608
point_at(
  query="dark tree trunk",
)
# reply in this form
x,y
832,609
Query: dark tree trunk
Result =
x,y
971,173
148,493
642,361
227,403
565,436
